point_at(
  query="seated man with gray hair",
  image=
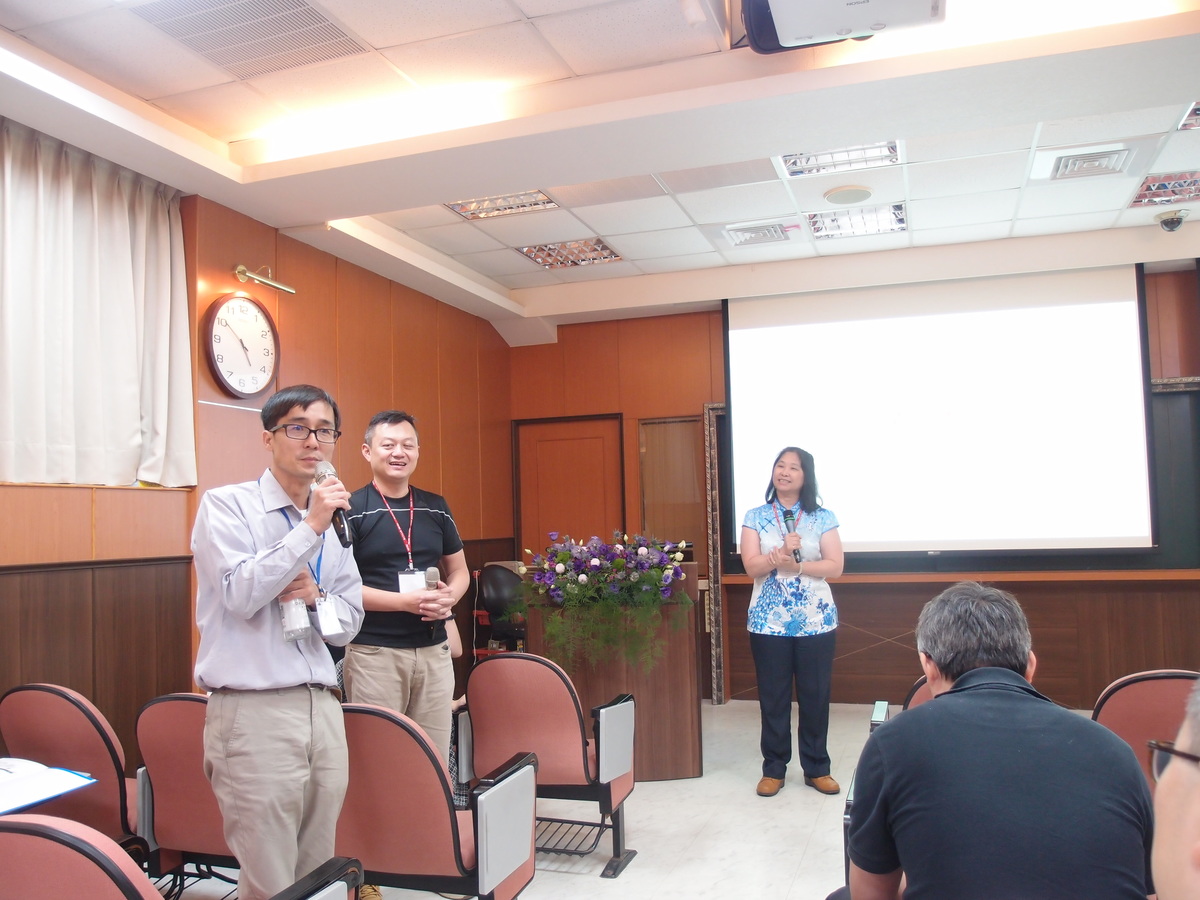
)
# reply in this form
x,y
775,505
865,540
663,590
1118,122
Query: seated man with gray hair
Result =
x,y
1177,808
990,791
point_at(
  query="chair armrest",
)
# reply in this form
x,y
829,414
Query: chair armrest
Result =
x,y
332,879
614,728
504,804
464,745
145,808
880,713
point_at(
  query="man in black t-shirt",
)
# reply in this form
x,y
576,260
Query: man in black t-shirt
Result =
x,y
990,791
400,658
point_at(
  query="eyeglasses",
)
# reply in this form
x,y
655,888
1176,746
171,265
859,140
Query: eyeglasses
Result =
x,y
1161,753
301,433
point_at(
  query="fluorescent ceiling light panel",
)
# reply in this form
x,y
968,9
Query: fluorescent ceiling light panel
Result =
x,y
571,253
502,205
1176,187
868,156
858,222
1192,119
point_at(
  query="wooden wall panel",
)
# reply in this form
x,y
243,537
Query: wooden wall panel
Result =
x,y
592,355
539,388
1172,300
45,523
495,435
135,523
1086,633
415,377
54,637
308,320
458,379
666,366
231,448
716,351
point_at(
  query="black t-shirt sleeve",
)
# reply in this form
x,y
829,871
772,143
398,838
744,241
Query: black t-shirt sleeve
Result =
x,y
871,846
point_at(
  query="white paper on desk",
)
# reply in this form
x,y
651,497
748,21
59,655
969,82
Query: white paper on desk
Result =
x,y
24,782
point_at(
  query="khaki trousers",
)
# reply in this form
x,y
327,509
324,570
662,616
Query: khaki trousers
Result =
x,y
418,682
278,766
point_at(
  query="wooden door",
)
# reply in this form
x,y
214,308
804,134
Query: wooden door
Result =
x,y
571,480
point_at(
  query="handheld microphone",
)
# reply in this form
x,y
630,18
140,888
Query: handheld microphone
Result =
x,y
341,527
789,522
432,577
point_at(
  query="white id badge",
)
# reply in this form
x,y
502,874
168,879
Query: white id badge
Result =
x,y
327,620
411,581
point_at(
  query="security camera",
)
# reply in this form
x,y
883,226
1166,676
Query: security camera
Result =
x,y
1170,221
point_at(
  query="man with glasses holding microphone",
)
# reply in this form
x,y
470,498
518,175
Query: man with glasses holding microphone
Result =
x,y
274,584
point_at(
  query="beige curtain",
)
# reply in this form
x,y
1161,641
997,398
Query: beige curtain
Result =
x,y
95,370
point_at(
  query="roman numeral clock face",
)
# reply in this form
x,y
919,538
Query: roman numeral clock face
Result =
x,y
242,345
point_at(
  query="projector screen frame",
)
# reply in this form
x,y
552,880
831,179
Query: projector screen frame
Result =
x,y
972,560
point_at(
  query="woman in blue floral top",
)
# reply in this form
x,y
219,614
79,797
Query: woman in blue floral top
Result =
x,y
790,546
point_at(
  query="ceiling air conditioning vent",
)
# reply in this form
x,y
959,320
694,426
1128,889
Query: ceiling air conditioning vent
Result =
x,y
766,233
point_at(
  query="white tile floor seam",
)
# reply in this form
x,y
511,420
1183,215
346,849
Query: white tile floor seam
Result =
x,y
711,837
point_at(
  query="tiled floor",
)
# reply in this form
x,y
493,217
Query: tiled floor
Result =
x,y
711,837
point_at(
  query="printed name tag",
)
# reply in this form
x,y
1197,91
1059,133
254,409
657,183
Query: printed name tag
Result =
x,y
327,620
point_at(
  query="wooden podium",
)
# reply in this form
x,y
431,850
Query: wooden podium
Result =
x,y
667,740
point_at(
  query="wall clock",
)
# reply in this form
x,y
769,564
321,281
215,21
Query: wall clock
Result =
x,y
242,345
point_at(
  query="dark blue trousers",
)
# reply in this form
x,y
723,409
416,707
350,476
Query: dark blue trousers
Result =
x,y
806,663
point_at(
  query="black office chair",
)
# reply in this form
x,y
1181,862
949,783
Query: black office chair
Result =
x,y
499,588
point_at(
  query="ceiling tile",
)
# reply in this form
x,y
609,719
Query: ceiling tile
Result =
x,y
655,244
387,23
546,226
540,278
421,217
885,183
513,53
709,177
615,190
342,81
633,215
118,47
867,243
708,260
227,112
651,31
971,209
960,234
454,239
1092,129
18,14
796,248
1062,224
598,271
969,143
499,262
546,7
1081,195
977,174
1145,215
1180,152
738,204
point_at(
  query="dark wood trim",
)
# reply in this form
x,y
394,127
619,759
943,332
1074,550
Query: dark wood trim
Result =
x,y
91,564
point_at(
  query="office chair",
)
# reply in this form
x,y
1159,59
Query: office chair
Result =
x,y
178,813
1145,706
399,816
59,727
47,855
520,701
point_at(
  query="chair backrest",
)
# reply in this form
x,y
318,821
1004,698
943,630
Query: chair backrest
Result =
x,y
399,815
919,693
499,587
55,857
1145,706
170,735
524,703
57,726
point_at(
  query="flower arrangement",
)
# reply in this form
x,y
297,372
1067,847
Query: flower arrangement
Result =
x,y
605,597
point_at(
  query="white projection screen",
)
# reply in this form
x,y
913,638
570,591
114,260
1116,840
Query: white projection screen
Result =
x,y
992,414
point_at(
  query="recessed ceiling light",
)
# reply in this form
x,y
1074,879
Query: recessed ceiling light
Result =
x,y
1176,187
858,222
850,195
868,156
502,205
1192,119
571,253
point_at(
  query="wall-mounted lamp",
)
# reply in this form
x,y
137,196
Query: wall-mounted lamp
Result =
x,y
244,274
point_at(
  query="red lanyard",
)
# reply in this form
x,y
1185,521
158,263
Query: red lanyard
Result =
x,y
406,538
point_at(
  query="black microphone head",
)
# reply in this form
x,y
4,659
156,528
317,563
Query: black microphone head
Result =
x,y
789,516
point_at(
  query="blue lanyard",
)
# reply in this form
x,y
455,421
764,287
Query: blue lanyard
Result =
x,y
317,573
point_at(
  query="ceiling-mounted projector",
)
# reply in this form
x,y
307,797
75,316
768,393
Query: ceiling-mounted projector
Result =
x,y
775,25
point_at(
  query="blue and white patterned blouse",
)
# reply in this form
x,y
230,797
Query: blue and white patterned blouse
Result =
x,y
791,605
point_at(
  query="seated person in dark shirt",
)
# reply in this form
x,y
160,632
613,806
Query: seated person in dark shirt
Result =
x,y
990,791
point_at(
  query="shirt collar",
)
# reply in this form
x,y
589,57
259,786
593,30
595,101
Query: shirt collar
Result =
x,y
273,495
994,677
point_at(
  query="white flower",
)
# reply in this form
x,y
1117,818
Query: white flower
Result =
x,y
582,578
635,576
595,563
618,548
642,551
682,576
678,557
683,545
560,568
521,570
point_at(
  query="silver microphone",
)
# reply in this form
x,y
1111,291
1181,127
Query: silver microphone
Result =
x,y
432,577
341,527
